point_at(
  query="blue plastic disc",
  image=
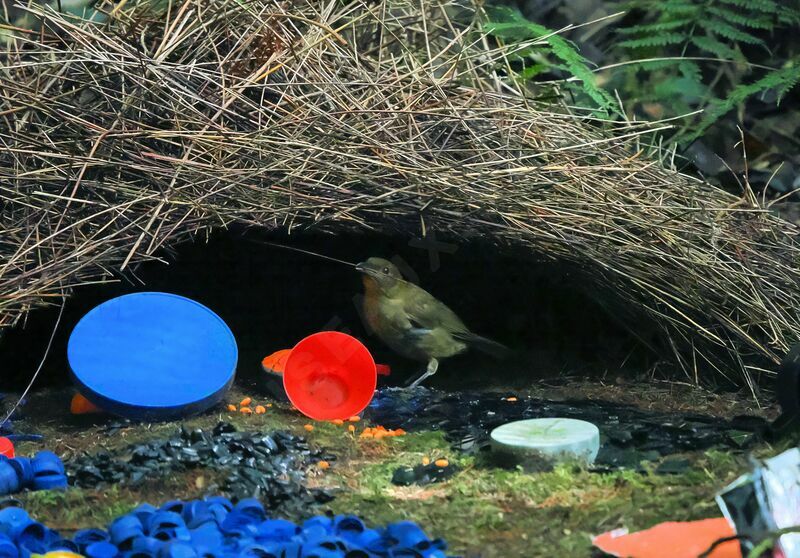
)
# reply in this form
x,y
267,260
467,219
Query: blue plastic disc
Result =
x,y
152,356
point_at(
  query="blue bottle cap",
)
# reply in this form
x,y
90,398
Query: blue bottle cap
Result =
x,y
165,519
325,552
50,482
152,356
34,534
7,548
321,521
101,550
175,506
13,521
147,545
144,512
408,535
197,513
124,529
207,537
177,550
85,537
24,469
240,524
261,551
277,530
251,507
10,482
348,523
221,500
47,463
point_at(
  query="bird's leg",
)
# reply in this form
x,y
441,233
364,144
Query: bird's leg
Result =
x,y
433,365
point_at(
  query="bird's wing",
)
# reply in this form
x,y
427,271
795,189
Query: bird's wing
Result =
x,y
426,312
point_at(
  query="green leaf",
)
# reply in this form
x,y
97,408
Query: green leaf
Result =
x,y
782,80
730,32
520,28
745,20
657,27
654,40
766,6
716,47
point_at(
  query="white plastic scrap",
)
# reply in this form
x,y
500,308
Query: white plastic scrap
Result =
x,y
774,489
781,479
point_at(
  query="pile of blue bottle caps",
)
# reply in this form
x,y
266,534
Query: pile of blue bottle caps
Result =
x,y
215,528
45,471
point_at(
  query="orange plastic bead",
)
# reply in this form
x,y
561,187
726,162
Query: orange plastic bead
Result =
x,y
426,460
337,422
354,418
323,465
441,463
260,410
351,428
246,401
246,411
232,408
309,427
512,399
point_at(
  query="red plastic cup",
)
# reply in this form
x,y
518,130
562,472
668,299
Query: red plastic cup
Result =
x,y
6,447
330,375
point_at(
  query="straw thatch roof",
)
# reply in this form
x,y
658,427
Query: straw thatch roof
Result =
x,y
123,137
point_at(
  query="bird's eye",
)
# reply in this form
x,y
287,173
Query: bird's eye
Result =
x,y
386,270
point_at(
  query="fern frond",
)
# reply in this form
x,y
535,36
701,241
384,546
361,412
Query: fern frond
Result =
x,y
728,31
654,40
765,6
716,47
744,20
517,27
656,27
679,8
782,81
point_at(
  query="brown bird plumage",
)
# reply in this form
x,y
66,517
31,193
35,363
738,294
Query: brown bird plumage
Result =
x,y
413,322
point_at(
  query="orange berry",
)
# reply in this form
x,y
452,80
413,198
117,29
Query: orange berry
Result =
x,y
354,418
441,463
246,401
426,460
309,427
323,465
246,411
260,410
351,428
337,422
232,408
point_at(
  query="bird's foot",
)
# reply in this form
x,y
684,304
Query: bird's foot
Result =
x,y
418,381
433,365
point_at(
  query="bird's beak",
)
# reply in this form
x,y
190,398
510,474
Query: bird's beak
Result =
x,y
361,267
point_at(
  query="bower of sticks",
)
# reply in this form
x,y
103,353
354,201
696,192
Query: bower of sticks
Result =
x,y
167,121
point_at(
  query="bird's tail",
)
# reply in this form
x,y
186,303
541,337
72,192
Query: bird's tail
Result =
x,y
485,345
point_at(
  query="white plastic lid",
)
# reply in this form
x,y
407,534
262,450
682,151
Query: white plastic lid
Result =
x,y
557,439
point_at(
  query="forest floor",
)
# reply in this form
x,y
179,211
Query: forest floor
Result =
x,y
482,511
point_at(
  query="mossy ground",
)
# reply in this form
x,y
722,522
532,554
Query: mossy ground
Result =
x,y
482,511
